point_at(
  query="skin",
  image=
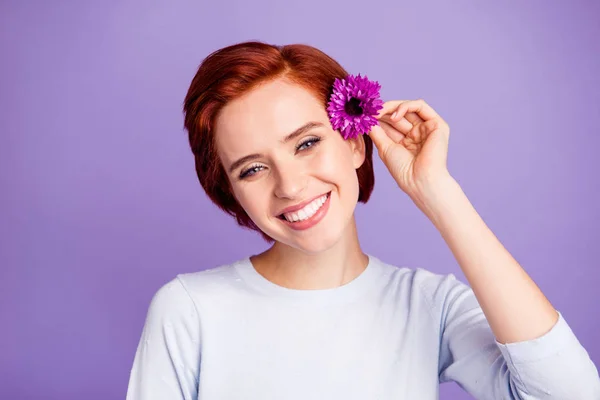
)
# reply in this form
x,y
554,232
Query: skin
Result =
x,y
327,255
412,141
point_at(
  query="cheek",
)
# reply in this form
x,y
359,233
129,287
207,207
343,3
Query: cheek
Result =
x,y
336,166
252,201
334,162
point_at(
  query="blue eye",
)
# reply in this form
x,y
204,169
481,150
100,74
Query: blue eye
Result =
x,y
307,142
251,171
256,168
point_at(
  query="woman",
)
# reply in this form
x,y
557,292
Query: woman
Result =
x,y
314,317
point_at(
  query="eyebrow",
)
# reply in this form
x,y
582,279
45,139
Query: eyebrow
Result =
x,y
303,129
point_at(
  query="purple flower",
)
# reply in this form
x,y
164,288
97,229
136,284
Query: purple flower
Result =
x,y
353,105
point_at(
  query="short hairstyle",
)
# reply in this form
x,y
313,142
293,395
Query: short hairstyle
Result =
x,y
229,73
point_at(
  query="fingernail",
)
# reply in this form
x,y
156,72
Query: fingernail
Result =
x,y
394,114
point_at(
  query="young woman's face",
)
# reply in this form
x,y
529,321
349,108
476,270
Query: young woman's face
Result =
x,y
281,154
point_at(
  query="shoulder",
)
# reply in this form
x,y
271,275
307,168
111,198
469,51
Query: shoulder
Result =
x,y
181,295
436,290
444,292
417,277
211,281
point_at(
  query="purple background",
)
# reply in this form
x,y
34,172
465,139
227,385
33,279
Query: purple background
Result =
x,y
100,204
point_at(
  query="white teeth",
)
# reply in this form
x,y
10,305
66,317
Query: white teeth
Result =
x,y
308,211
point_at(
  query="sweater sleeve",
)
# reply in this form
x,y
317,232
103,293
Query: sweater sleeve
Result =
x,y
553,366
167,359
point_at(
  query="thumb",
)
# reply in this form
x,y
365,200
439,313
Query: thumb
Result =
x,y
381,140
392,153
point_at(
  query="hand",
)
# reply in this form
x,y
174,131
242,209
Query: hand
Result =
x,y
412,141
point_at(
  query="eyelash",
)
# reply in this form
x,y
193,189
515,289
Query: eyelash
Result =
x,y
247,172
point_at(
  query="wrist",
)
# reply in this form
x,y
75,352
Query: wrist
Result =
x,y
436,197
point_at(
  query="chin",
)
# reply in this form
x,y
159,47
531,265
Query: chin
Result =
x,y
312,241
316,245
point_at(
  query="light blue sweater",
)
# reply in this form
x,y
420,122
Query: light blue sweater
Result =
x,y
392,333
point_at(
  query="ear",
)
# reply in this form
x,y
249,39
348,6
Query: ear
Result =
x,y
357,146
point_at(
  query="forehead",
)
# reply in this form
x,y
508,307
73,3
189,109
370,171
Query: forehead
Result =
x,y
264,116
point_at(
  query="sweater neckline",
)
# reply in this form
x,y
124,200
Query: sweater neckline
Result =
x,y
348,291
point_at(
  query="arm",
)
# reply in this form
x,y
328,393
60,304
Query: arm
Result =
x,y
514,306
536,353
413,144
553,366
167,360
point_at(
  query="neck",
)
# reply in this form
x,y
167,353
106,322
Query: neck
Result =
x,y
295,269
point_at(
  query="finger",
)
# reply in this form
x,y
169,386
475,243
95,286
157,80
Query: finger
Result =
x,y
403,112
400,123
381,140
419,107
422,132
393,133
389,107
392,110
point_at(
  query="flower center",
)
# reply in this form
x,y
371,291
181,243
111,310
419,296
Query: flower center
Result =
x,y
353,108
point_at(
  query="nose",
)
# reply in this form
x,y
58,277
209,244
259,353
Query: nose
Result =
x,y
290,182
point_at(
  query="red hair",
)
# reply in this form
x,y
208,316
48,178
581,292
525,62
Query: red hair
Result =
x,y
232,71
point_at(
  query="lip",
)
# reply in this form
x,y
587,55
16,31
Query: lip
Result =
x,y
300,205
312,221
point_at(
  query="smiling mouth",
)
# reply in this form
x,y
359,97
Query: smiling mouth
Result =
x,y
307,212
